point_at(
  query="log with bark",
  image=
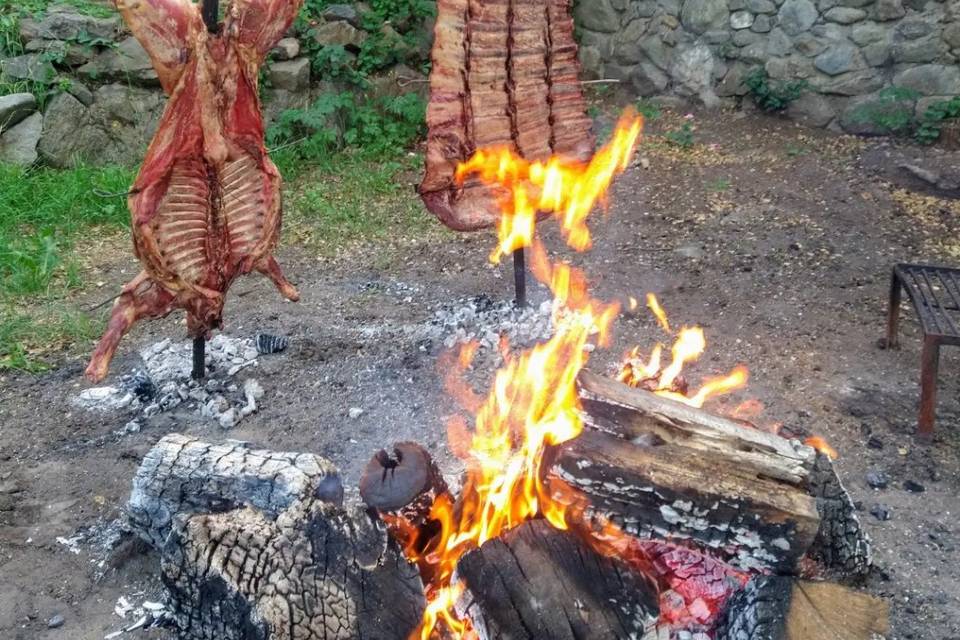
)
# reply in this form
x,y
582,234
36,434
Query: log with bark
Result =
x,y
661,469
256,545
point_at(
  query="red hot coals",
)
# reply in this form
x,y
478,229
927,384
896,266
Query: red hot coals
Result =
x,y
206,204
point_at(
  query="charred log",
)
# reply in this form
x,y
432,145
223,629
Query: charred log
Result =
x,y
842,546
254,545
537,582
404,484
659,469
181,476
780,608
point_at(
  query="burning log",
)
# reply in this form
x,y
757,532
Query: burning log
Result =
x,y
780,608
537,582
405,484
661,469
256,545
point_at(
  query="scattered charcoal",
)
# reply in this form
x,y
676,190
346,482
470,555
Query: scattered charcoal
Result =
x,y
141,385
267,343
875,443
877,479
55,622
914,487
880,512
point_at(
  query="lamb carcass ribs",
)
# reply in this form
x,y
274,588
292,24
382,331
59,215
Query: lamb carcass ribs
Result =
x,y
505,73
206,204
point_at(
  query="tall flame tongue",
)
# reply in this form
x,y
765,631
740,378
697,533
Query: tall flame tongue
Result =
x,y
689,345
534,401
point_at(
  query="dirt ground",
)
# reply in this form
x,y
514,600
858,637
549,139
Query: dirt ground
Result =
x,y
777,239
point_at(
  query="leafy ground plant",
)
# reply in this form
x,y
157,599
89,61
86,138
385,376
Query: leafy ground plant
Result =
x,y
682,136
936,115
891,112
772,96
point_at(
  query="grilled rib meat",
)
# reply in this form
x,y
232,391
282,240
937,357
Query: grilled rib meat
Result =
x,y
206,204
505,72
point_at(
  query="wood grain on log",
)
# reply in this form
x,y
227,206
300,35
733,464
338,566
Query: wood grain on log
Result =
x,y
537,582
781,608
255,545
659,469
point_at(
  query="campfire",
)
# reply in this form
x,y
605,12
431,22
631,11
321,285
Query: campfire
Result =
x,y
590,507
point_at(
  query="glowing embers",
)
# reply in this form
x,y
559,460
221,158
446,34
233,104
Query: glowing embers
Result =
x,y
689,344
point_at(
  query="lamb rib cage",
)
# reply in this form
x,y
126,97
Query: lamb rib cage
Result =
x,y
505,73
206,206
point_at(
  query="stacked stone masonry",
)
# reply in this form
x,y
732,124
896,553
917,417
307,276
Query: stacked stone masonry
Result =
x,y
847,51
103,97
105,100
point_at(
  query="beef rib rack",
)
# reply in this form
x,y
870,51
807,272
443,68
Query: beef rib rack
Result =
x,y
206,205
505,73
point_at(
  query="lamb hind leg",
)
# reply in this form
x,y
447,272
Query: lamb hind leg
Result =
x,y
141,297
271,268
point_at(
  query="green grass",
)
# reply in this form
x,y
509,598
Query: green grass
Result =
x,y
41,210
719,185
351,197
28,333
12,11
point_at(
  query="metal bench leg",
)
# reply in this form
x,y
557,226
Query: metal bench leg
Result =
x,y
893,313
929,364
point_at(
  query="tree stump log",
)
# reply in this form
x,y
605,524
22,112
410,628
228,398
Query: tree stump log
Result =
x,y
782,608
255,545
537,582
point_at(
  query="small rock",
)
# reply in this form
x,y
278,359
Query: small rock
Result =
x,y
33,67
878,479
14,108
339,33
18,144
132,427
741,20
55,622
342,12
355,412
286,49
914,487
291,75
880,512
928,176
875,443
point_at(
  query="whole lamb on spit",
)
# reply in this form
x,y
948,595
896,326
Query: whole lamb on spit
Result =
x,y
206,205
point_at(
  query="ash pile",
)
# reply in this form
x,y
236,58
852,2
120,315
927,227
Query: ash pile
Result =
x,y
486,321
164,382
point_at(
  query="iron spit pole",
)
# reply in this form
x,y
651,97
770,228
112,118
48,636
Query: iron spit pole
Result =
x,y
199,358
211,15
520,277
211,18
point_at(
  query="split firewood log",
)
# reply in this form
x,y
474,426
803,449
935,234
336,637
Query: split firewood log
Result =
x,y
403,484
255,545
782,608
537,582
663,470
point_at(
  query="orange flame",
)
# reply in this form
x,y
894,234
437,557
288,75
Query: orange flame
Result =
x,y
822,446
666,381
534,401
567,189
654,305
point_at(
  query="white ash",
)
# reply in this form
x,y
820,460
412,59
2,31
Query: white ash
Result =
x,y
96,542
484,320
165,383
146,615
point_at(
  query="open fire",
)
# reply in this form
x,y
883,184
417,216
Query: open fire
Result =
x,y
534,402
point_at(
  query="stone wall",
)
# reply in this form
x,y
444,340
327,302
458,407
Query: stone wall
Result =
x,y
846,50
104,99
